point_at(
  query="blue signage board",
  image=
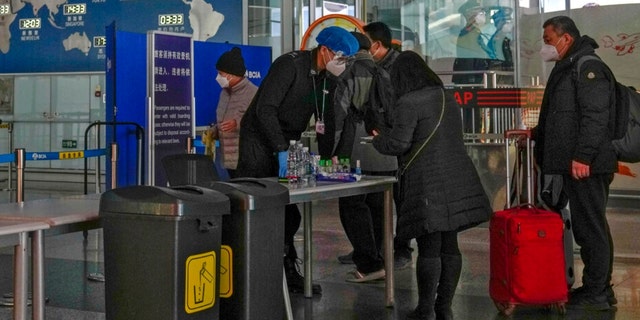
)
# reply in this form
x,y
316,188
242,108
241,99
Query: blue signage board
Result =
x,y
171,116
128,99
70,36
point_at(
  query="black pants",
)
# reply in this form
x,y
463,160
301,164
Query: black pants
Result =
x,y
435,244
588,202
257,161
362,219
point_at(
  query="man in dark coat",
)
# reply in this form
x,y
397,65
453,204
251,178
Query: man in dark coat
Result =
x,y
384,55
361,215
295,88
573,139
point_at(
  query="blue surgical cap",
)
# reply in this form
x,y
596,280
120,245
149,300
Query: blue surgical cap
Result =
x,y
338,39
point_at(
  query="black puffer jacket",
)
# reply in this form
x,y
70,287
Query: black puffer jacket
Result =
x,y
574,119
440,190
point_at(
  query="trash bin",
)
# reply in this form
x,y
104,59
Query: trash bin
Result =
x,y
161,252
255,233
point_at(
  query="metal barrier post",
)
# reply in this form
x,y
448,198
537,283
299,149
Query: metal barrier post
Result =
x,y
97,164
114,165
190,147
20,163
10,172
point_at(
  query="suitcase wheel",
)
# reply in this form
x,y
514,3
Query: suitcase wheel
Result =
x,y
560,307
505,308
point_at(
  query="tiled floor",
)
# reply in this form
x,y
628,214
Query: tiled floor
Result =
x,y
71,296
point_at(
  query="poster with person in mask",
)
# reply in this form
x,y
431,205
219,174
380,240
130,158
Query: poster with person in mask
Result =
x,y
500,43
472,54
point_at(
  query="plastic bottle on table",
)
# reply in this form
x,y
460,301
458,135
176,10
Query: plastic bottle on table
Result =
x,y
304,166
292,163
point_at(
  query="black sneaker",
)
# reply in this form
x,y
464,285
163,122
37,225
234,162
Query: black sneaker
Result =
x,y
401,262
295,280
608,291
611,296
582,299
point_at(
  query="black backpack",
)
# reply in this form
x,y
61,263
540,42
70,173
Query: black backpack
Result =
x,y
379,109
625,118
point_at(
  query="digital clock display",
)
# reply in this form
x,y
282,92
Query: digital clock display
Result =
x,y
5,9
32,23
176,19
99,42
76,8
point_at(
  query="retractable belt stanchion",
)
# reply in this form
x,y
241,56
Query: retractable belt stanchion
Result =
x,y
114,165
20,163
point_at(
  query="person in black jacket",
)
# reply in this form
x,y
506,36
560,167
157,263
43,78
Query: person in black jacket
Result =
x,y
440,190
295,88
573,139
385,55
361,215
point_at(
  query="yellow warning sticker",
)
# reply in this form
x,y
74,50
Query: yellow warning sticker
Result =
x,y
200,282
226,271
71,155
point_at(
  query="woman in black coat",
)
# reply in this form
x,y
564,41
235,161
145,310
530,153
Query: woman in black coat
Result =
x,y
440,190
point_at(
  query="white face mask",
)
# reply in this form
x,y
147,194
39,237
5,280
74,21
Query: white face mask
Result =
x,y
507,28
549,52
336,66
480,19
222,81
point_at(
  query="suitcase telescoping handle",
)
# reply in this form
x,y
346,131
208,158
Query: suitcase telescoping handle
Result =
x,y
514,136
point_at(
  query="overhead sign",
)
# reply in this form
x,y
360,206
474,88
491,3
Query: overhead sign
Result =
x,y
69,35
499,98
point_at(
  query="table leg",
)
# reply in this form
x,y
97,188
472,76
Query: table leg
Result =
x,y
287,298
308,293
388,247
20,282
37,244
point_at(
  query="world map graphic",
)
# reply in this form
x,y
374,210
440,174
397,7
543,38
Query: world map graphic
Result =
x,y
69,35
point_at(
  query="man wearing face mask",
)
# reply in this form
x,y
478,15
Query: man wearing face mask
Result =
x,y
237,92
573,139
295,88
361,215
384,55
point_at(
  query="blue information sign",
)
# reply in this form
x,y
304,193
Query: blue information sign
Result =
x,y
171,117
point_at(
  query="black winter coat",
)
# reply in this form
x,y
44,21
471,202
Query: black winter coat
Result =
x,y
440,190
290,94
575,121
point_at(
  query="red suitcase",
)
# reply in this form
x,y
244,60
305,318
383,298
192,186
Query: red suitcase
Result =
x,y
527,252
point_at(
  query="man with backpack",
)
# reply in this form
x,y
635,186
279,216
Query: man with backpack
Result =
x,y
361,215
384,56
573,139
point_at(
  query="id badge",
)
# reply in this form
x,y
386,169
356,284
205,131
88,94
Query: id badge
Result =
x,y
320,127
